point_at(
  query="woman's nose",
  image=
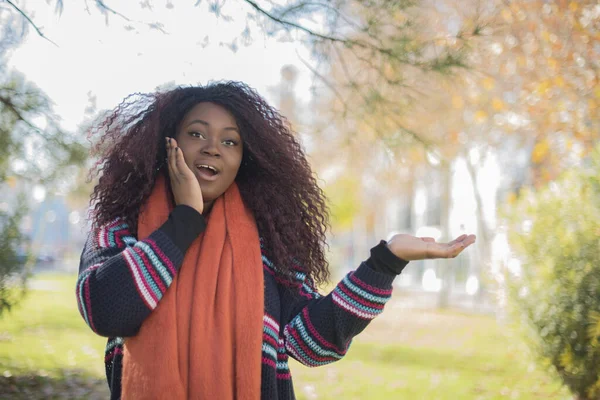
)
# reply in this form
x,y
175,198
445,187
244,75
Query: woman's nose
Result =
x,y
210,148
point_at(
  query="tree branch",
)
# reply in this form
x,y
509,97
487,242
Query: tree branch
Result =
x,y
294,25
38,30
334,39
322,78
293,9
101,5
20,116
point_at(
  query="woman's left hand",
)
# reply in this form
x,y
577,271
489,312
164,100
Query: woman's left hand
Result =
x,y
410,248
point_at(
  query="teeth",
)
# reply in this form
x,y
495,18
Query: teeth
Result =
x,y
207,166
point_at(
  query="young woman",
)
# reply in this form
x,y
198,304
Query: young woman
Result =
x,y
206,246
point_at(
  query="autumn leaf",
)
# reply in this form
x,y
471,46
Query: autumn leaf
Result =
x,y
489,83
511,198
573,6
559,81
480,116
540,151
497,104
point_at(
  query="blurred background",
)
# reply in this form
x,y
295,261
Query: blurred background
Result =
x,y
433,118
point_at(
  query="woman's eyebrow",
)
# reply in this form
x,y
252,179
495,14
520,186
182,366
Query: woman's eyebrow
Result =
x,y
199,121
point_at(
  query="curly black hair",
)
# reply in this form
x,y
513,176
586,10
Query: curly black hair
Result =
x,y
275,178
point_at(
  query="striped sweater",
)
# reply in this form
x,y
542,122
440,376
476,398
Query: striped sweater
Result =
x,y
122,279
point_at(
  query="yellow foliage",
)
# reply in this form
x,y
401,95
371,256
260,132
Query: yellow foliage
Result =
x,y
417,156
344,201
540,151
594,390
511,198
566,358
400,17
489,83
454,137
457,101
569,144
573,6
480,116
543,86
546,176
497,104
552,63
559,81
388,70
546,36
507,15
597,92
594,328
11,181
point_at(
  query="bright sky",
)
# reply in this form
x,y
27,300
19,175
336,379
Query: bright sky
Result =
x,y
111,62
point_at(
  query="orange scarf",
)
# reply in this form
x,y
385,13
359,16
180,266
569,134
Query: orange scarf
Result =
x,y
204,339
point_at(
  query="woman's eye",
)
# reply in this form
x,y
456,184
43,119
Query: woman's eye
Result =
x,y
230,142
197,135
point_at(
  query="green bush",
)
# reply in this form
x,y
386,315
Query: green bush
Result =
x,y
13,257
556,292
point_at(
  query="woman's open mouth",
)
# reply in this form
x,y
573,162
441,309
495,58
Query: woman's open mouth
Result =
x,y
206,172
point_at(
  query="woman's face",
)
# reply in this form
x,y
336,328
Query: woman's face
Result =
x,y
212,147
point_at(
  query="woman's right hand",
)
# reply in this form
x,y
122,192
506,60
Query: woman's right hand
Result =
x,y
184,184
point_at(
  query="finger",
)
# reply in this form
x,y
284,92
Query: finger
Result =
x,y
172,174
458,248
182,167
173,170
168,147
428,239
173,156
469,240
466,240
458,239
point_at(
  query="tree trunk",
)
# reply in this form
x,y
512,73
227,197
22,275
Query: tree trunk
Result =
x,y
484,233
446,203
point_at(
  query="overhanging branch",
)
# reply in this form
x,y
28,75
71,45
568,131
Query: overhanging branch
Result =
x,y
24,15
294,25
12,108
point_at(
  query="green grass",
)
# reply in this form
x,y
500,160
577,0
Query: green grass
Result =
x,y
46,351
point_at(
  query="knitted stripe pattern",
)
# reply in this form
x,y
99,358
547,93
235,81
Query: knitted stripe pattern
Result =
x,y
121,281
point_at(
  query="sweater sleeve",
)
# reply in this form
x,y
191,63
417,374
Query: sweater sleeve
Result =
x,y
122,279
319,330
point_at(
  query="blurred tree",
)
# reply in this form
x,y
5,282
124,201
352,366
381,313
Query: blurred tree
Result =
x,y
380,122
373,94
530,100
535,83
285,92
528,97
33,148
556,291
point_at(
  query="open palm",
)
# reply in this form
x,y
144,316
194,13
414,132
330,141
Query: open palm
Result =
x,y
410,248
